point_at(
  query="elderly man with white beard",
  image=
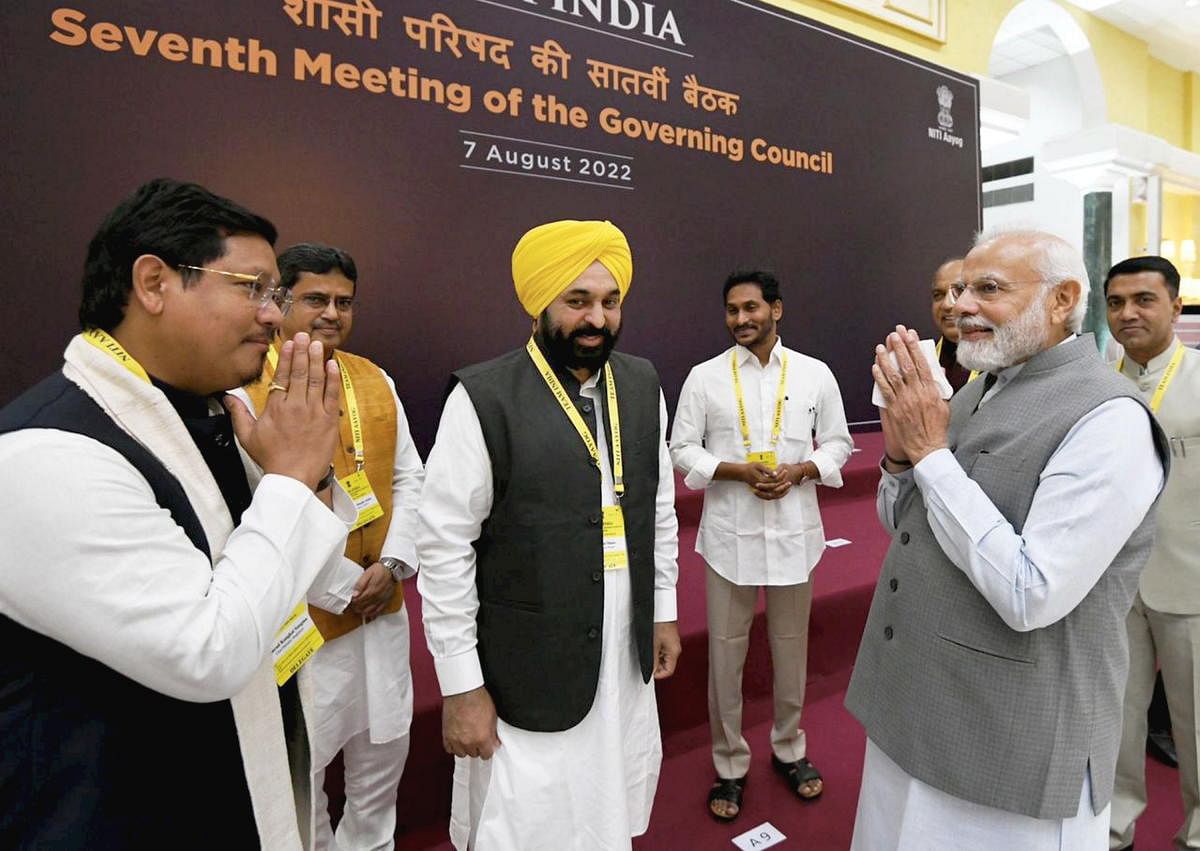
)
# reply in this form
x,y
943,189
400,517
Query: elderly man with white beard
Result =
x,y
991,671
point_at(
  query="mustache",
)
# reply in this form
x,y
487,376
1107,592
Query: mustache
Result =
x,y
968,323
589,331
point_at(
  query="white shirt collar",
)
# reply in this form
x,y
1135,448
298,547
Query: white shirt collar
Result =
x,y
744,354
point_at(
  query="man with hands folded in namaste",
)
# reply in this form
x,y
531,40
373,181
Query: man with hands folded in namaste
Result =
x,y
992,666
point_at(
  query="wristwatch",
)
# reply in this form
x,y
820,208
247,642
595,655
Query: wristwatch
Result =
x,y
395,567
328,479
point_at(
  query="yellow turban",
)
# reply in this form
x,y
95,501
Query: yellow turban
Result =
x,y
551,256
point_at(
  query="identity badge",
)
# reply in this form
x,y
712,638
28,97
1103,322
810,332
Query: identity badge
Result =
x,y
365,501
615,557
767,459
295,643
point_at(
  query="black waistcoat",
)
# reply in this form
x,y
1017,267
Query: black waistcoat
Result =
x,y
90,758
540,571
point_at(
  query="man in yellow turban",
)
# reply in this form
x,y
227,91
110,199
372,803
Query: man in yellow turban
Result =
x,y
548,546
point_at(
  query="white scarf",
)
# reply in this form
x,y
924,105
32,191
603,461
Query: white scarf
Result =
x,y
145,413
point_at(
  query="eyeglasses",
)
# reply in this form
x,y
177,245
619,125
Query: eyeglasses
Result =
x,y
985,289
260,288
320,301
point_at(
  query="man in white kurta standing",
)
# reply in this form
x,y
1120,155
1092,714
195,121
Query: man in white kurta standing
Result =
x,y
143,578
357,689
1142,295
992,666
547,544
744,433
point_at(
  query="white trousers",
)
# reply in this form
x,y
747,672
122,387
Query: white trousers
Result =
x,y
372,777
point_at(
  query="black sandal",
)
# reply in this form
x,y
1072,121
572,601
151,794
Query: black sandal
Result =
x,y
797,774
729,791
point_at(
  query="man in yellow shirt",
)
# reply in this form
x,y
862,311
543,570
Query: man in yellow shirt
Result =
x,y
357,690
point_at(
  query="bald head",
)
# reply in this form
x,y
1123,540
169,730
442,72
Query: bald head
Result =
x,y
948,274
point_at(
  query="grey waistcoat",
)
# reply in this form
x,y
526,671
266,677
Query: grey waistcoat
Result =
x,y
539,568
943,686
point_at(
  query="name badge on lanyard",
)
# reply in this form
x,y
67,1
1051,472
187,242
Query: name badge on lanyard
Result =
x,y
615,555
365,502
356,484
768,458
295,643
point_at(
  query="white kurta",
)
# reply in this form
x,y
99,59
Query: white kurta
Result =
x,y
1094,492
590,787
84,527
897,812
362,680
747,540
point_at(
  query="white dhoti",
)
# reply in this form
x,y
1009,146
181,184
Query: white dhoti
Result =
x,y
583,789
897,812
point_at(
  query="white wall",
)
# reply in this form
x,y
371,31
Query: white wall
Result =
x,y
1054,108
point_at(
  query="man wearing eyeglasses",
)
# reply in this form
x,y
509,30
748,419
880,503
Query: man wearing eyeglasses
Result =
x,y
357,689
990,674
146,571
946,276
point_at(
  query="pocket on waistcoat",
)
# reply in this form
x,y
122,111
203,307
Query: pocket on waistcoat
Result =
x,y
988,462
1008,654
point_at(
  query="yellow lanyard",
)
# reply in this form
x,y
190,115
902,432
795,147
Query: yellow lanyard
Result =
x,y
938,351
352,412
113,349
777,424
360,454
1165,381
568,407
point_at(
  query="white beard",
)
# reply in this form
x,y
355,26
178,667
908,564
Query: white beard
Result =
x,y
1011,343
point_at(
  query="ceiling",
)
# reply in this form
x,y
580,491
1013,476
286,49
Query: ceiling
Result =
x,y
1015,51
1170,27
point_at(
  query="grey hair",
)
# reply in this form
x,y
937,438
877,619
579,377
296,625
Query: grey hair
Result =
x,y
1056,261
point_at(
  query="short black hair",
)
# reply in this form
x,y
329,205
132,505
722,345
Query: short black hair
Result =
x,y
317,259
1147,263
766,281
180,223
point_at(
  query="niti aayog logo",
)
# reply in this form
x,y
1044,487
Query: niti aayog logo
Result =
x,y
945,120
945,101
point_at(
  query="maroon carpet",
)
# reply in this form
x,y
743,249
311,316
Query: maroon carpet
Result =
x,y
842,587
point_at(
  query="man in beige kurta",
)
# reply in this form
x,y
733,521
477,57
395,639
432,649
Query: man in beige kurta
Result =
x,y
1143,301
